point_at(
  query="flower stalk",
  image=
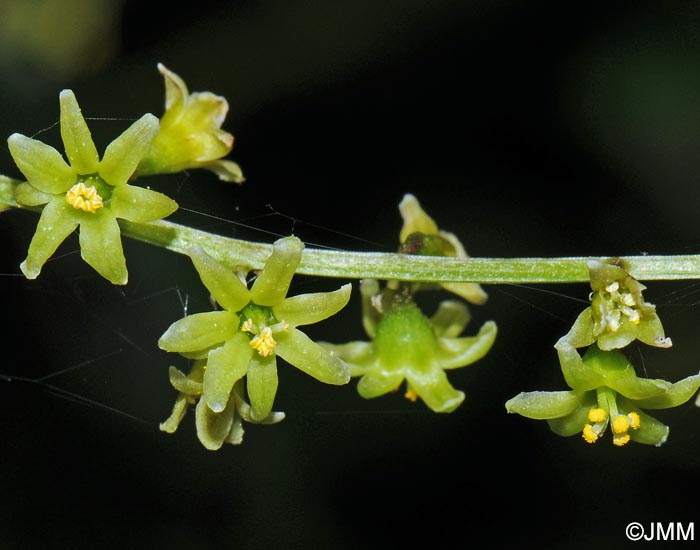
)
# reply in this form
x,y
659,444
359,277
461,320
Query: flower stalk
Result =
x,y
379,265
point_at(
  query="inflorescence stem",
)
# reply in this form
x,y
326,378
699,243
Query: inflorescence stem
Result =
x,y
238,253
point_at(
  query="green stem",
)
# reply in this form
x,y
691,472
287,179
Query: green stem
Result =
x,y
359,265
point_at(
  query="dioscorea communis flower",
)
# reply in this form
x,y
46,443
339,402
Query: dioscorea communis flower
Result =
x,y
605,391
254,327
86,192
190,133
406,345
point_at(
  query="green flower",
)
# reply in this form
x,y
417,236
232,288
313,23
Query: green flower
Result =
x,y
213,429
406,345
190,133
85,192
420,235
255,326
618,313
605,391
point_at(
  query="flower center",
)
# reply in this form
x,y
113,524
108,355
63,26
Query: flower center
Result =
x,y
620,425
614,304
261,324
89,194
84,198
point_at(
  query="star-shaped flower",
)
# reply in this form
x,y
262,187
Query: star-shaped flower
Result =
x,y
406,345
605,391
190,133
255,326
421,235
88,192
618,313
213,429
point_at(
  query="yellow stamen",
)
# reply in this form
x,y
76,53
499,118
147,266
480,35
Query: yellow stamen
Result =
x,y
596,415
620,424
620,440
264,343
247,325
411,395
634,420
589,435
84,198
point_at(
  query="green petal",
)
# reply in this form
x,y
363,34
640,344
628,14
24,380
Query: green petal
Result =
x,y
262,385
199,331
636,388
41,164
123,155
307,309
28,195
543,405
619,339
300,351
435,390
187,385
225,286
677,394
175,89
140,205
415,219
581,333
271,287
358,355
577,374
450,319
370,316
101,246
603,273
225,366
459,352
171,424
651,431
213,428
651,332
77,139
471,292
57,221
375,384
226,170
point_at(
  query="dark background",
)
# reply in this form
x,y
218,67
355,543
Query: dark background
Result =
x,y
528,129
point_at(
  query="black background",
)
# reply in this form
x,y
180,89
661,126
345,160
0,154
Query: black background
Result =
x,y
528,129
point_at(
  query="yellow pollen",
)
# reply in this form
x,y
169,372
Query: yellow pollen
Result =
x,y
596,415
620,440
247,325
634,420
84,198
264,343
620,424
588,434
411,395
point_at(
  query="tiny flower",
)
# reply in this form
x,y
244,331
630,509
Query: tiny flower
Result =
x,y
406,345
213,428
420,235
618,313
605,392
190,134
254,326
86,192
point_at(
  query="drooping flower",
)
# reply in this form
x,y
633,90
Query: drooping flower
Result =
x,y
86,192
190,134
618,313
254,327
408,346
213,428
421,235
605,392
